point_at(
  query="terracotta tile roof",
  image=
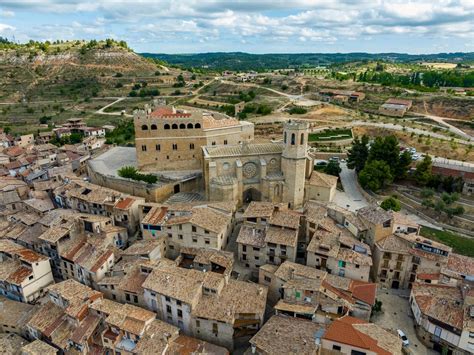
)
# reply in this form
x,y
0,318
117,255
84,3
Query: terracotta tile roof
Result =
x,y
210,219
322,180
235,299
259,209
286,218
314,213
249,235
38,347
14,151
364,291
443,303
125,204
287,335
346,330
155,216
461,264
282,236
183,345
374,214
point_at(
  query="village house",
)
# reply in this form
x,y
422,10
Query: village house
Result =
x,y
349,335
301,291
188,225
399,257
395,107
269,235
14,316
207,305
65,321
444,317
44,137
38,347
93,199
378,222
24,274
333,248
320,187
287,335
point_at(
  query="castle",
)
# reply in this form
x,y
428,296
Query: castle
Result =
x,y
234,168
168,139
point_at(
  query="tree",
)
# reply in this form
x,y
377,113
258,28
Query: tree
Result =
x,y
375,175
358,153
387,150
422,173
332,168
391,204
427,193
403,165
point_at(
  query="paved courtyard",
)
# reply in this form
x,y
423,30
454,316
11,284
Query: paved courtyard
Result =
x,y
397,315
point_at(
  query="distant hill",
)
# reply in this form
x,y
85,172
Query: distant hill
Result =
x,y
260,62
67,69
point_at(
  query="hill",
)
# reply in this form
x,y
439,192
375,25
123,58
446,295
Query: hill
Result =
x,y
66,70
260,62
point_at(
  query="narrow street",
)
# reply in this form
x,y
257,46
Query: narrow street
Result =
x,y
351,198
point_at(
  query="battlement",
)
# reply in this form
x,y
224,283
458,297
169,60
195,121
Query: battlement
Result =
x,y
296,125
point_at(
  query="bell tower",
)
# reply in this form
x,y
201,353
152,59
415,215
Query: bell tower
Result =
x,y
293,162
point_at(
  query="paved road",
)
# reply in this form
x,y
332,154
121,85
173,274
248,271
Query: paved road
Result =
x,y
290,96
454,129
397,127
397,315
351,198
101,110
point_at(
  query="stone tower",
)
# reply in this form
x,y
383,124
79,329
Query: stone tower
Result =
x,y
293,161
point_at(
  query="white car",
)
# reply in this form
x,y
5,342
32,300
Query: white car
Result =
x,y
404,338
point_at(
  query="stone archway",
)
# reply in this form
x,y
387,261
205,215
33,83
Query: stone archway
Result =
x,y
251,194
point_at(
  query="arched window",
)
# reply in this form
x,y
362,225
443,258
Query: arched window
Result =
x,y
284,138
153,127
144,127
182,126
174,126
190,125
302,138
293,138
167,126
197,125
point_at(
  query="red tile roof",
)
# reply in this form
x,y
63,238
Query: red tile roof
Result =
x,y
342,331
168,112
125,203
364,291
14,151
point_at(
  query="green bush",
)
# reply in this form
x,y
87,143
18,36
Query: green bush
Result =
x,y
130,172
391,204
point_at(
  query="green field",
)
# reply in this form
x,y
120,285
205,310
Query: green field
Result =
x,y
460,245
330,134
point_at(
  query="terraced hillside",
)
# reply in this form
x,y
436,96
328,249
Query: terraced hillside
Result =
x,y
68,71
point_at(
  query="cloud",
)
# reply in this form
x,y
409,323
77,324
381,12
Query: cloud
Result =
x,y
4,28
6,13
271,22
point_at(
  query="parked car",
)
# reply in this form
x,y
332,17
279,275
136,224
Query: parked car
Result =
x,y
404,338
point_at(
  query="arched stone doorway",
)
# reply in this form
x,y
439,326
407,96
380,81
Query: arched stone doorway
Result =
x,y
252,194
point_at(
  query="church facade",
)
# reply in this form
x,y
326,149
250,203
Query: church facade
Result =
x,y
274,171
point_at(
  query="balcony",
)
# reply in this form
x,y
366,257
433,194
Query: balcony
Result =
x,y
271,252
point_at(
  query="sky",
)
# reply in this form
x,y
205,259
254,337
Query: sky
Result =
x,y
254,26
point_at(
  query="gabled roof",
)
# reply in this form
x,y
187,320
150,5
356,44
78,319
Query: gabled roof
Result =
x,y
355,332
323,180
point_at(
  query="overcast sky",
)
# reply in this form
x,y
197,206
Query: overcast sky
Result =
x,y
256,26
